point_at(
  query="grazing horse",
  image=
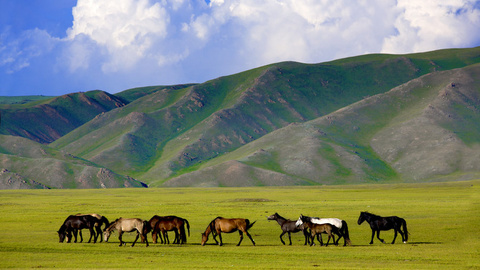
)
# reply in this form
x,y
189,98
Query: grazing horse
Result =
x,y
288,226
161,225
75,223
101,220
340,227
127,225
226,225
378,223
317,230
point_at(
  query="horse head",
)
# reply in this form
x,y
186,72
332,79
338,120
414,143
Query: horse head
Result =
x,y
361,218
61,236
273,217
204,238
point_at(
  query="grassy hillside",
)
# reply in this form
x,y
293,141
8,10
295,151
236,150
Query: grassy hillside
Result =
x,y
46,120
27,164
173,132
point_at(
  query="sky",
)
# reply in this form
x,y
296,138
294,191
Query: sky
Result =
x,y
56,47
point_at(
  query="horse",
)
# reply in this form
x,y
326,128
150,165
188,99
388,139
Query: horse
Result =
x,y
169,223
378,223
340,227
101,220
288,226
226,225
317,230
127,225
75,223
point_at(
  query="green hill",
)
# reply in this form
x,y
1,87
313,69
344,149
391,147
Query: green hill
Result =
x,y
27,164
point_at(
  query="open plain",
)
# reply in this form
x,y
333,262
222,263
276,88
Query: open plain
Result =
x,y
443,220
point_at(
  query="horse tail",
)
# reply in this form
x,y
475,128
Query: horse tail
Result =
x,y
404,223
188,226
346,234
249,225
105,221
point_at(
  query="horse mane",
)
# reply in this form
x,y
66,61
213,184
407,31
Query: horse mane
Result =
x,y
371,214
286,219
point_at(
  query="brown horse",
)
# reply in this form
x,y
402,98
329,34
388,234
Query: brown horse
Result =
x,y
127,225
101,220
226,225
317,229
161,225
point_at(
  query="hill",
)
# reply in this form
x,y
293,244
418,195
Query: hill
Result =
x,y
27,164
372,118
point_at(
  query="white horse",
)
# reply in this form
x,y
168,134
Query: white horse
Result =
x,y
340,225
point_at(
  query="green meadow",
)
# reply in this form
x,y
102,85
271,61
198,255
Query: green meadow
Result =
x,y
443,220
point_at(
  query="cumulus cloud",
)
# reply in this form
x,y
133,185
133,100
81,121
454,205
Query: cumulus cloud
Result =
x,y
429,25
126,43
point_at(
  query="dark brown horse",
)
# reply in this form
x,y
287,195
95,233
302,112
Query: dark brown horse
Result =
x,y
74,224
227,225
101,220
317,229
288,226
378,223
127,225
161,225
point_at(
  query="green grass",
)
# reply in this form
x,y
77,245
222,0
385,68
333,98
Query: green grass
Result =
x,y
442,220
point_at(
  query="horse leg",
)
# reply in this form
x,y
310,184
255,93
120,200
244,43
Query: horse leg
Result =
x,y
136,238
241,237
378,236
373,234
281,239
92,234
395,235
305,234
146,240
75,231
154,237
253,242
221,241
290,238
99,233
120,233
402,234
320,239
165,236
312,239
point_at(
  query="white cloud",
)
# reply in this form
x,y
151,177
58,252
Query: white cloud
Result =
x,y
429,25
126,29
128,43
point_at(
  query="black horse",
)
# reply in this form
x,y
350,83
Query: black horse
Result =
x,y
75,223
378,223
288,226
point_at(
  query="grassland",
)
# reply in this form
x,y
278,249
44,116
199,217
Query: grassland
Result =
x,y
443,220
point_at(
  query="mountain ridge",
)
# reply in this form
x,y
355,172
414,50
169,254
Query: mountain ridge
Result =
x,y
193,134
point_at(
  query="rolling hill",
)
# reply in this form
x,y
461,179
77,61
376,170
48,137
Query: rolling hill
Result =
x,y
372,118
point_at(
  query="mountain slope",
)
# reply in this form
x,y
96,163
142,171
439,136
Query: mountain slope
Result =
x,y
176,131
48,119
424,129
27,164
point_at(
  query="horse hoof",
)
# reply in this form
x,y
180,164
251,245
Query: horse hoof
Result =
x,y
404,242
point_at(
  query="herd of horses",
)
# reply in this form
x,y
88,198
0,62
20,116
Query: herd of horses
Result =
x,y
159,226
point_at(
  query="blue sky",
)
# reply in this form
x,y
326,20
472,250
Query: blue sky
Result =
x,y
55,47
